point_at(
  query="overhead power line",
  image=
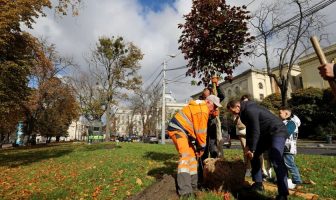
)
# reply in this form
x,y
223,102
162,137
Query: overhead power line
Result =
x,y
177,68
315,8
155,79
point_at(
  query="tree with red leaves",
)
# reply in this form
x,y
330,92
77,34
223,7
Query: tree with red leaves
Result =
x,y
213,38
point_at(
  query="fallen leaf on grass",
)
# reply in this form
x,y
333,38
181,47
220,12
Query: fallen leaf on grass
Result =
x,y
312,182
138,181
128,193
96,192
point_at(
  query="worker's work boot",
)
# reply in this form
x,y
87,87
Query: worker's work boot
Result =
x,y
189,196
257,187
281,197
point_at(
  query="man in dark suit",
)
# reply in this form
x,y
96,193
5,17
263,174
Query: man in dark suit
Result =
x,y
264,131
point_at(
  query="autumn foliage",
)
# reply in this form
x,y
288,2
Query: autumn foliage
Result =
x,y
213,38
22,57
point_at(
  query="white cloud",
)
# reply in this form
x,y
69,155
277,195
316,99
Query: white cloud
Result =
x,y
156,33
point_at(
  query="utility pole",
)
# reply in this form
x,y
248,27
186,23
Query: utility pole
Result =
x,y
163,123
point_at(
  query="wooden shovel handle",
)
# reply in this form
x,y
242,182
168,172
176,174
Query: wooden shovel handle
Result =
x,y
323,60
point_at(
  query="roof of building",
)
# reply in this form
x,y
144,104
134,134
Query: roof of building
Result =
x,y
312,56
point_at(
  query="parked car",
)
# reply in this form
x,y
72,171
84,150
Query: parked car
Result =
x,y
151,139
135,138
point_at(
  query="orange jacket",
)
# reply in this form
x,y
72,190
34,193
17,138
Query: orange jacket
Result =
x,y
194,120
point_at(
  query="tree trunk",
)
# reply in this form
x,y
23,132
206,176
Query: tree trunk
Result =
x,y
32,139
58,138
1,139
108,117
284,95
76,129
8,135
48,139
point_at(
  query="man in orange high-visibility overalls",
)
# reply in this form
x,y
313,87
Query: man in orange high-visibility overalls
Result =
x,y
188,130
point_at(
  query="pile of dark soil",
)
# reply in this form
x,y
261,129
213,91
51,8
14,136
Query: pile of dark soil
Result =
x,y
164,189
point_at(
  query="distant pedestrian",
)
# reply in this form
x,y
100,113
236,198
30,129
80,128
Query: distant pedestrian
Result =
x,y
292,123
264,131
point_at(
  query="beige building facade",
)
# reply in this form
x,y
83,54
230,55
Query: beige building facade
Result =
x,y
257,83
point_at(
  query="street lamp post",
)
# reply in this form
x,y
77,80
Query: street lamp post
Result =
x,y
163,123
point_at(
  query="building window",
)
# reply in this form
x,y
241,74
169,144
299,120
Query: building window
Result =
x,y
294,80
301,82
261,86
261,96
237,90
229,92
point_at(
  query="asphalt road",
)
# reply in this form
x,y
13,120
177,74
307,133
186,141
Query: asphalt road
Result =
x,y
306,150
318,151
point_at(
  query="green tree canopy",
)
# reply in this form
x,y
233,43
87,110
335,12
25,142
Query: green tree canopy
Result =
x,y
116,66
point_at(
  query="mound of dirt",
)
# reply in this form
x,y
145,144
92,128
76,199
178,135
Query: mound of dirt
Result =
x,y
219,175
222,175
164,189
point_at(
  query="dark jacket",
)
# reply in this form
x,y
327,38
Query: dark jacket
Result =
x,y
334,68
260,124
212,128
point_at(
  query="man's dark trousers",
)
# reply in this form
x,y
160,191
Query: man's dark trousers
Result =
x,y
275,146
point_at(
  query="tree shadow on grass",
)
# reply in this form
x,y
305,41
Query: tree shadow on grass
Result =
x,y
169,162
27,157
246,194
329,154
169,168
100,146
158,156
30,154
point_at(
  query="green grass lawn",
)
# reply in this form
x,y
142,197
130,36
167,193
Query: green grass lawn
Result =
x,y
107,171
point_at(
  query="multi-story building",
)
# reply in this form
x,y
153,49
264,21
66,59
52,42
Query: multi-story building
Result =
x,y
78,130
126,119
257,83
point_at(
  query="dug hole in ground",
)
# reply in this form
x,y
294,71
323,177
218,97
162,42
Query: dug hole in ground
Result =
x,y
219,175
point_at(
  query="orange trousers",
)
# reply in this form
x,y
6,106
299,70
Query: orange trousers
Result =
x,y
187,165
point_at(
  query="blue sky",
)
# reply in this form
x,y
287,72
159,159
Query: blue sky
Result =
x,y
155,5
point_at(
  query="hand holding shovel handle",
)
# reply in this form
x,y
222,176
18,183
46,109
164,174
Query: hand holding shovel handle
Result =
x,y
323,60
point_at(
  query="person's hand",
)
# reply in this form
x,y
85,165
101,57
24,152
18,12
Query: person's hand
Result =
x,y
249,155
327,71
215,113
214,80
199,153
